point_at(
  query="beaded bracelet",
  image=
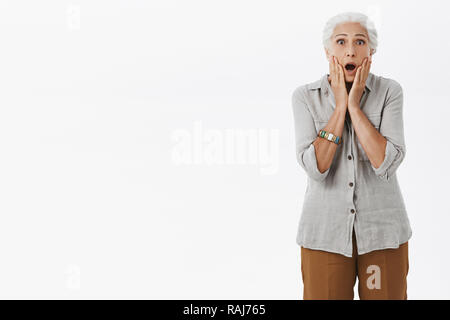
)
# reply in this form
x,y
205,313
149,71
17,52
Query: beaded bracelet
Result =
x,y
329,136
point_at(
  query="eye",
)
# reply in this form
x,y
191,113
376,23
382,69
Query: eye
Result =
x,y
339,40
361,41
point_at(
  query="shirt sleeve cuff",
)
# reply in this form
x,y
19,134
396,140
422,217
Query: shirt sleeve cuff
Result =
x,y
389,157
310,161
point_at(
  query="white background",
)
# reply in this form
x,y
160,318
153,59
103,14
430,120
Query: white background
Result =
x,y
109,113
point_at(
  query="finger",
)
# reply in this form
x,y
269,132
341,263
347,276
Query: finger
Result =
x,y
366,70
357,76
341,74
333,67
338,70
362,72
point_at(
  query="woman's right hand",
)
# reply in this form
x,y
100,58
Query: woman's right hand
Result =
x,y
337,79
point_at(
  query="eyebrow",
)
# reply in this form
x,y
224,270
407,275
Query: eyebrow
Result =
x,y
344,34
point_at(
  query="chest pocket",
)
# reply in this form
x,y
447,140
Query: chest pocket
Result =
x,y
375,119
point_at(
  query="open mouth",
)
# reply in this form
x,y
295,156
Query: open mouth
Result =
x,y
350,68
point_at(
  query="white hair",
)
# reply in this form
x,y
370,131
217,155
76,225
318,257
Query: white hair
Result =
x,y
363,20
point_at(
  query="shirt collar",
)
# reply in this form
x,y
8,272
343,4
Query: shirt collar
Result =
x,y
323,83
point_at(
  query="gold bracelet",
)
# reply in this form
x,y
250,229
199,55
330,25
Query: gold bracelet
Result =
x,y
329,136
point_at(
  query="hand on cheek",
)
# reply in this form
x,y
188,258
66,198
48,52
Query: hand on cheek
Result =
x,y
359,82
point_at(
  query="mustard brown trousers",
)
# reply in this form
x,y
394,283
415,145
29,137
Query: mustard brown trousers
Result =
x,y
332,276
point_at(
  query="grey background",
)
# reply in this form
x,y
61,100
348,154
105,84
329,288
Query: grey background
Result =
x,y
147,147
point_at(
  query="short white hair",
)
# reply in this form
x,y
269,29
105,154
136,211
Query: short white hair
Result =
x,y
364,20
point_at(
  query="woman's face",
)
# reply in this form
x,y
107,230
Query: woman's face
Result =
x,y
349,44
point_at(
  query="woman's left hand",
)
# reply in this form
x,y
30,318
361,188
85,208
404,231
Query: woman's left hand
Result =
x,y
359,83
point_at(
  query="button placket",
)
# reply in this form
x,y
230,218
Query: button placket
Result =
x,y
351,173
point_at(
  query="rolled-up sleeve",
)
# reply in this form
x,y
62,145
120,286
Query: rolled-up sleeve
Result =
x,y
305,134
391,128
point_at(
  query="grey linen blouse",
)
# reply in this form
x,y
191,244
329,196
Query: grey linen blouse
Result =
x,y
351,193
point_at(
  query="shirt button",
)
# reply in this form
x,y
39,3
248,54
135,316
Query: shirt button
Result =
x,y
352,211
351,184
349,157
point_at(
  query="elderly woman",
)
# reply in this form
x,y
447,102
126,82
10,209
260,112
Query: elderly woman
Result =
x,y
350,142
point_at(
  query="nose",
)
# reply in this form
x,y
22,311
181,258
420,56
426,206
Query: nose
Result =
x,y
350,51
